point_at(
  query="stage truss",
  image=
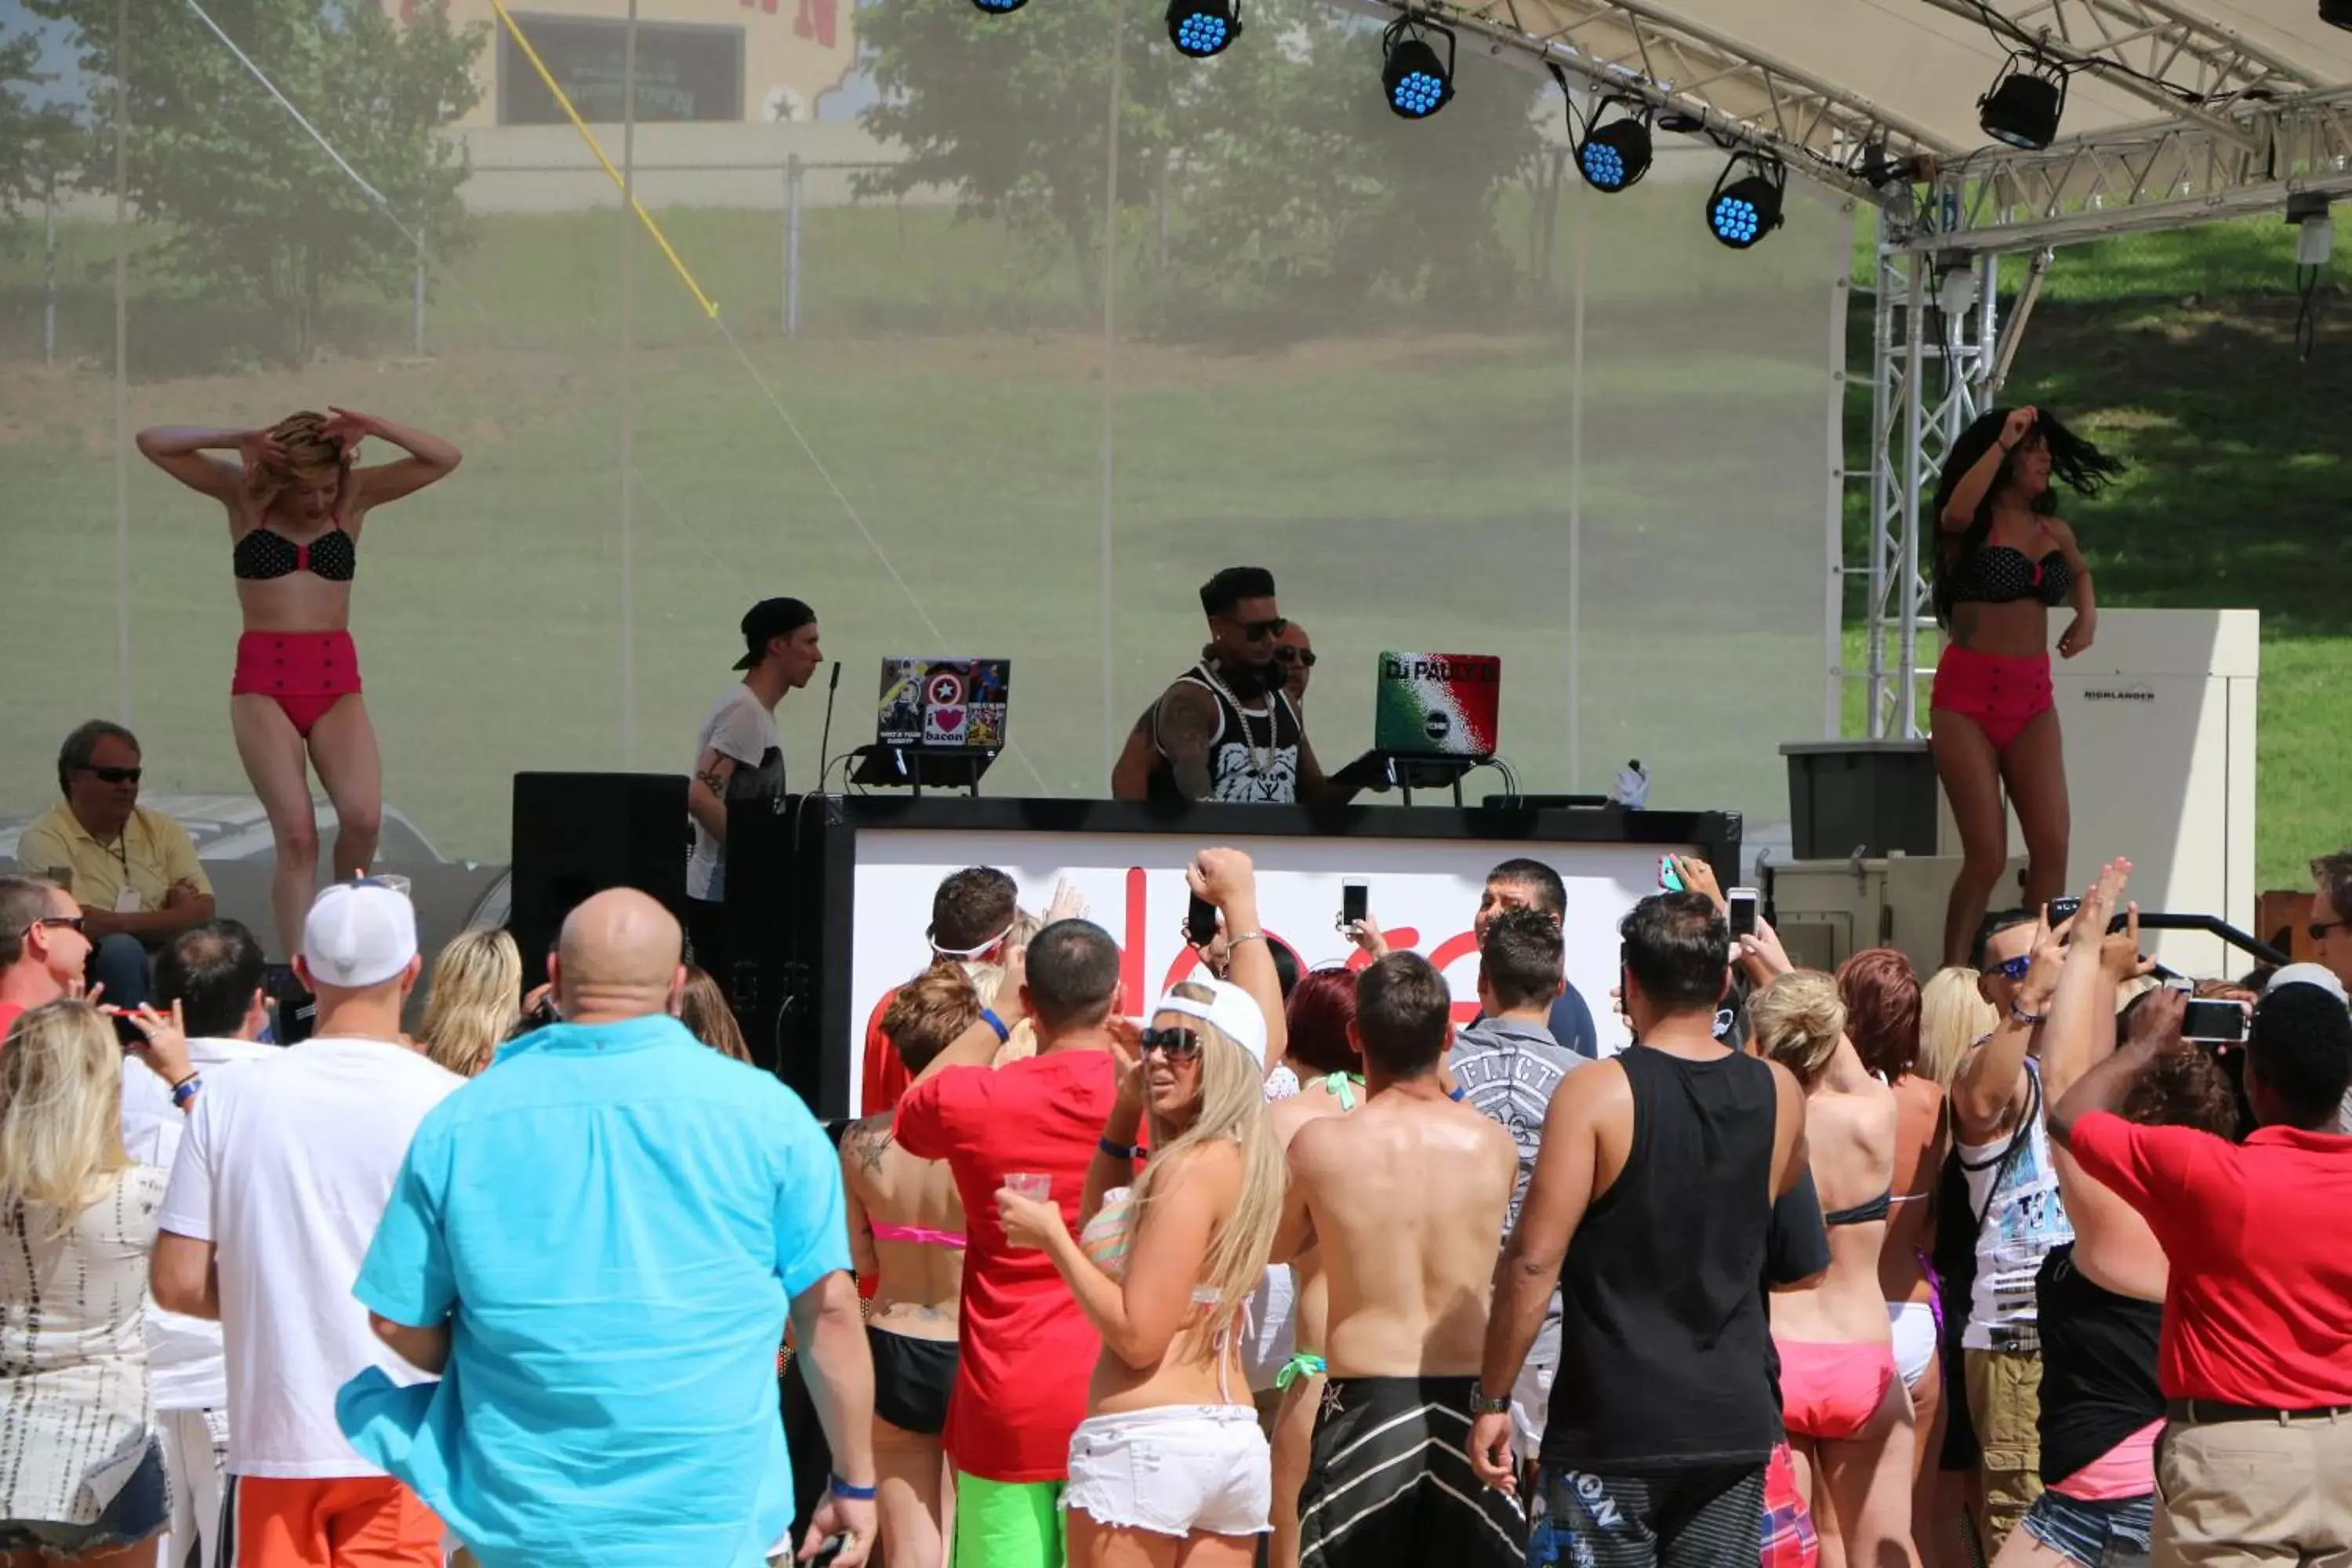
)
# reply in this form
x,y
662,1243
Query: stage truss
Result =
x,y
2243,129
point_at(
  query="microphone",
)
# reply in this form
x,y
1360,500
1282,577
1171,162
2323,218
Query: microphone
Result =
x,y
824,741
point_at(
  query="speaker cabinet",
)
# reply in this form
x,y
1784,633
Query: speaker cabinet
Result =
x,y
578,834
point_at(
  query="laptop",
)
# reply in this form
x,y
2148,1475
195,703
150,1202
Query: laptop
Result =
x,y
1437,704
956,703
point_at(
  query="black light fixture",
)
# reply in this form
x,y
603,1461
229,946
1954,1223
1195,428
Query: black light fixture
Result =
x,y
2026,102
1744,209
2336,13
1200,28
1418,84
1614,157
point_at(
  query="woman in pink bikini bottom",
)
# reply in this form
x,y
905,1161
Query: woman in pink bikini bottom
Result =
x,y
1851,1428
296,501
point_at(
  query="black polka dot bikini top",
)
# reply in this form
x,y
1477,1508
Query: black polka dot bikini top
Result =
x,y
265,553
1998,574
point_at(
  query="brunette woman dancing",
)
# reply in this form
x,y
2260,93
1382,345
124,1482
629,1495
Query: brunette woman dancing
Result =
x,y
2002,562
296,501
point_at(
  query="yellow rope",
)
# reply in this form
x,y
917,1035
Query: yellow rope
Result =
x,y
708,307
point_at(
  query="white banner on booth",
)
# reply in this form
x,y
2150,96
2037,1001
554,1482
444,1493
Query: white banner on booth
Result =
x,y
1423,892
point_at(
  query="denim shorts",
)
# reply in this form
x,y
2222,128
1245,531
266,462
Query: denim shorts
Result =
x,y
2110,1534
138,1512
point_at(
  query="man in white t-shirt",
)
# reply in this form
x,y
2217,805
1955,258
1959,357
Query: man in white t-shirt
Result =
x,y
213,972
283,1173
738,755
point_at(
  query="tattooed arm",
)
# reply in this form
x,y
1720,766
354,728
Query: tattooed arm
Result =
x,y
1188,728
706,793
863,1144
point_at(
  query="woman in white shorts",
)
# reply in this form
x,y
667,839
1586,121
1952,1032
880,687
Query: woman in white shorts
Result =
x,y
1169,1465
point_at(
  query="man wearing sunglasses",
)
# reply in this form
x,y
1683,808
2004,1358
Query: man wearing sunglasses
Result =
x,y
43,951
2001,1133
1229,727
132,871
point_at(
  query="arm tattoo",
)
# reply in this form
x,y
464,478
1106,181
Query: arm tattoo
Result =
x,y
1188,722
714,781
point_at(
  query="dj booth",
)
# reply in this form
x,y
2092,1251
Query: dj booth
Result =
x,y
829,897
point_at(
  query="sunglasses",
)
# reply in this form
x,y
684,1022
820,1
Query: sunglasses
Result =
x,y
114,775
1289,655
1264,631
1176,1045
2015,968
71,922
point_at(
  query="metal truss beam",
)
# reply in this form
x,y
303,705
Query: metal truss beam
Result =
x,y
1733,92
1934,353
2164,174
2184,62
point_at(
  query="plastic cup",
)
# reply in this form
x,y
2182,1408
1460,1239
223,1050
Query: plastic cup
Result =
x,y
1032,1185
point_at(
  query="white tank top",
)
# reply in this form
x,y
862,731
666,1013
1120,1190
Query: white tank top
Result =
x,y
2023,1220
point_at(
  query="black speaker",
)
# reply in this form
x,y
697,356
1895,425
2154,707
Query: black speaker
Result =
x,y
782,863
578,834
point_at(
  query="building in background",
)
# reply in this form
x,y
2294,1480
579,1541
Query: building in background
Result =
x,y
698,61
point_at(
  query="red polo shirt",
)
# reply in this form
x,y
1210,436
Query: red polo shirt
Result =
x,y
2258,1309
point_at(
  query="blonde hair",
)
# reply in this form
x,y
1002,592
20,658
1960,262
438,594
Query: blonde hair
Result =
x,y
702,1007
60,1115
988,979
1953,1016
1798,1021
302,436
1231,1109
477,999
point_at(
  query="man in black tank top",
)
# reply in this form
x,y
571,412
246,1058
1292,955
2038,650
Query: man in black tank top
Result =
x,y
1652,1209
1226,730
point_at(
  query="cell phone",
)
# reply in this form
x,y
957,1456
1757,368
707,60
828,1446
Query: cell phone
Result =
x,y
1668,877
1200,921
1743,902
2214,1021
127,1030
1355,904
2061,910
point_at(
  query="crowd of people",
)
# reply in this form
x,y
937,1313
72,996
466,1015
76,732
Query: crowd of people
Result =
x,y
2012,1264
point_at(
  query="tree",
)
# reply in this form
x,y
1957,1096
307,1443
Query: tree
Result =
x,y
1298,178
1013,112
1289,176
251,204
32,132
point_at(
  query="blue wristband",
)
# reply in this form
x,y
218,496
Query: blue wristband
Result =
x,y
844,1490
1459,1095
1127,1152
988,1016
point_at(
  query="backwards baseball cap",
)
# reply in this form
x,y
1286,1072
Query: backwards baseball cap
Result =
x,y
767,619
358,934
2317,974
1233,1010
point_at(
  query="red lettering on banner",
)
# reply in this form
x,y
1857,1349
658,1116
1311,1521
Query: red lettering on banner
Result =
x,y
818,20
1130,958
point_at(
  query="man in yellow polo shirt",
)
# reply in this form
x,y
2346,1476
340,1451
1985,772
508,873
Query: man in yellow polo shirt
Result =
x,y
133,871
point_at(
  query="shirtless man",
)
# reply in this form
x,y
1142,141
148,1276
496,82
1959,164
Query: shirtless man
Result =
x,y
1404,1199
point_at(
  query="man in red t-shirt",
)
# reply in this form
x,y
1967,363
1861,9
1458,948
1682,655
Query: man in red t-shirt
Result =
x,y
2255,1355
42,949
1026,1349
972,915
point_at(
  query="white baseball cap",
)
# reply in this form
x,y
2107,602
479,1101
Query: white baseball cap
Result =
x,y
358,934
2317,974
1233,1010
